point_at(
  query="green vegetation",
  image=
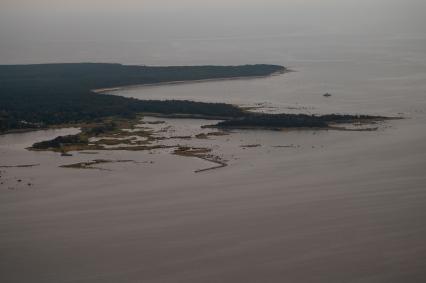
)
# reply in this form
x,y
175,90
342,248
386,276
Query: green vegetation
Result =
x,y
62,141
36,96
293,121
100,129
106,132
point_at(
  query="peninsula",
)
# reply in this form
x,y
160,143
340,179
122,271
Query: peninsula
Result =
x,y
40,96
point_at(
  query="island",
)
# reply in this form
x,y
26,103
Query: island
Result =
x,y
74,95
281,121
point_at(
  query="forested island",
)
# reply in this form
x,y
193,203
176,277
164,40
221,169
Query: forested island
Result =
x,y
280,121
38,96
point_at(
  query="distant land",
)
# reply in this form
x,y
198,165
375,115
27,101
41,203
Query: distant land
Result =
x,y
39,96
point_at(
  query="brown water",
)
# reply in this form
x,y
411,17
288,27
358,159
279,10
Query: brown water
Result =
x,y
331,207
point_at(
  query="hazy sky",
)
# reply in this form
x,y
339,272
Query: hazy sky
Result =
x,y
84,19
24,21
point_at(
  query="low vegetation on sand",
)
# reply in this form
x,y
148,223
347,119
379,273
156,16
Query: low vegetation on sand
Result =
x,y
123,135
111,133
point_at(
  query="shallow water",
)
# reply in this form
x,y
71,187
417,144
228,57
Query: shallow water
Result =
x,y
325,206
375,76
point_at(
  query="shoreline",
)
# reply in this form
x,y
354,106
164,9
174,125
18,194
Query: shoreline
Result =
x,y
171,83
22,131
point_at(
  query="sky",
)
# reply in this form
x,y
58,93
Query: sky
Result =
x,y
82,19
31,21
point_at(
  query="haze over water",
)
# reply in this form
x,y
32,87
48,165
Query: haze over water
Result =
x,y
165,32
